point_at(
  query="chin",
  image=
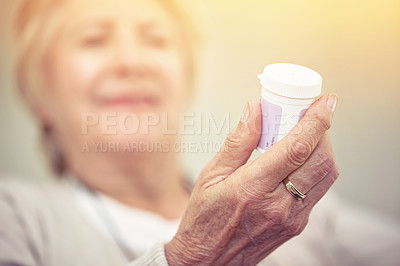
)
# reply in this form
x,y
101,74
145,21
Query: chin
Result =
x,y
145,143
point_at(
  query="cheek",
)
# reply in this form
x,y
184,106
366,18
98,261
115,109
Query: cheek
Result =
x,y
176,93
83,70
174,75
70,79
73,75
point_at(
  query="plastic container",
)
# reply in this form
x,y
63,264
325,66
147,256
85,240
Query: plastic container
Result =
x,y
287,92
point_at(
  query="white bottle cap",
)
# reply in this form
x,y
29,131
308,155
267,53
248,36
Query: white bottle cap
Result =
x,y
291,80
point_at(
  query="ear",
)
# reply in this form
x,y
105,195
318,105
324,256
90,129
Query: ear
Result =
x,y
42,114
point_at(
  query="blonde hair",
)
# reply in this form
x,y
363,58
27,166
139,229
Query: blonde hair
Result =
x,y
35,25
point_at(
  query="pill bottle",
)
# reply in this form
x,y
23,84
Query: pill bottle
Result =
x,y
287,92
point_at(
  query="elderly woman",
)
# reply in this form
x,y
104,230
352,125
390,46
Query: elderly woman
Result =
x,y
84,65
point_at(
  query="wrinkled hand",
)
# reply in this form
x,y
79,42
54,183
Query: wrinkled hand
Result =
x,y
240,212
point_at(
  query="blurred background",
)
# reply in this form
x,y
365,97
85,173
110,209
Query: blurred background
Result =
x,y
354,45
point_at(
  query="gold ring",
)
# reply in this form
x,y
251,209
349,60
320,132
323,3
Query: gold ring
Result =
x,y
293,190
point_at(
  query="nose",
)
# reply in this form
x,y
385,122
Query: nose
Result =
x,y
129,57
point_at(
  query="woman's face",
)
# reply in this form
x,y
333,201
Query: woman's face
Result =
x,y
112,63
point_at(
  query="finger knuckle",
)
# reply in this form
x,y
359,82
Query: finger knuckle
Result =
x,y
279,217
336,172
299,151
322,120
295,228
232,142
303,225
326,161
204,175
333,174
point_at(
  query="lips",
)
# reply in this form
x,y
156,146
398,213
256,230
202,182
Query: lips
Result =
x,y
130,100
142,99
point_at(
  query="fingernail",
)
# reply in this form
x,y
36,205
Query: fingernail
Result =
x,y
247,111
332,100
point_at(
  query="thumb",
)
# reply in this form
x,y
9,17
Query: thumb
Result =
x,y
239,144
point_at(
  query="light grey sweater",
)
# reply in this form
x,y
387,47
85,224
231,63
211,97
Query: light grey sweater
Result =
x,y
40,225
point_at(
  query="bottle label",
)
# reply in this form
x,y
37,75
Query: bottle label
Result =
x,y
276,123
302,113
271,120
